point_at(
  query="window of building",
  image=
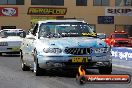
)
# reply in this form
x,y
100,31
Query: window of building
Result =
x,y
123,2
48,2
81,2
11,2
126,28
101,2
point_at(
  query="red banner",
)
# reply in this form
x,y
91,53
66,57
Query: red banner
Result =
x,y
117,78
8,11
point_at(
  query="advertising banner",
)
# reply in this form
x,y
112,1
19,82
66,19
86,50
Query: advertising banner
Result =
x,y
8,27
122,53
8,11
118,11
46,11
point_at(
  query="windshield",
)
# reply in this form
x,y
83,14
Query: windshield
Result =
x,y
66,29
120,36
11,33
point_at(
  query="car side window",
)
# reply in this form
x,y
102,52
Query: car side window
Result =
x,y
35,29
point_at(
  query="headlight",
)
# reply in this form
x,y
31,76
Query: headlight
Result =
x,y
52,50
101,50
3,44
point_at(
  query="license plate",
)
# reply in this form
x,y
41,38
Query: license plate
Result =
x,y
99,58
16,49
79,59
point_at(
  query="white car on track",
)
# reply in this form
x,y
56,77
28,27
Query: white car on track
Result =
x,y
10,40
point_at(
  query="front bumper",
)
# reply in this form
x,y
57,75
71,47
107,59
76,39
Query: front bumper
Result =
x,y
9,49
49,62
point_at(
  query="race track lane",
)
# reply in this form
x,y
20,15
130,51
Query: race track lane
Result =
x,y
11,76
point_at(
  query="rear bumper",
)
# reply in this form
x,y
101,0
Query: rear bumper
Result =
x,y
9,49
17,52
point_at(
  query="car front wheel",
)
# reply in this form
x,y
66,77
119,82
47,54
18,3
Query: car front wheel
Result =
x,y
23,65
36,68
105,70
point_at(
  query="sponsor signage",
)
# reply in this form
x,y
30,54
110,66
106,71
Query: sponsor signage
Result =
x,y
105,19
118,11
113,78
122,53
8,11
8,27
83,78
46,11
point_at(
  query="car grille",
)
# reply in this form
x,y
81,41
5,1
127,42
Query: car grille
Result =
x,y
77,51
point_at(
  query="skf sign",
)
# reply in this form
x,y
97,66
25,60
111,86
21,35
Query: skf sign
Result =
x,y
46,11
118,11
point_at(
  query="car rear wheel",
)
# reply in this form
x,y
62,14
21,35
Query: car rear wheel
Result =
x,y
105,70
23,65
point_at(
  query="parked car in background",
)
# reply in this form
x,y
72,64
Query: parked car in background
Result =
x,y
64,44
119,39
10,40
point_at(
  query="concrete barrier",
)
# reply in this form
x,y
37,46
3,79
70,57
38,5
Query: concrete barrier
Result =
x,y
122,56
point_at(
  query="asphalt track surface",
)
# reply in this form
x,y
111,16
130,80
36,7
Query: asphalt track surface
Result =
x,y
11,76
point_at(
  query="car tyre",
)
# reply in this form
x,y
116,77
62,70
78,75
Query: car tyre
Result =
x,y
36,69
73,72
105,70
23,65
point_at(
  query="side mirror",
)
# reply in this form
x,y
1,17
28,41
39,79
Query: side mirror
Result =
x,y
101,36
98,36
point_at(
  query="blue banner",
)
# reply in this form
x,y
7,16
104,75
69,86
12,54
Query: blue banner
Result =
x,y
122,53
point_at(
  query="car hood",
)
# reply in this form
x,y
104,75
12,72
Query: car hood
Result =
x,y
74,42
11,38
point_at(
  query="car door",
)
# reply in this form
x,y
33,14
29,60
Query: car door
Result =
x,y
30,45
24,49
